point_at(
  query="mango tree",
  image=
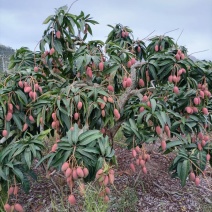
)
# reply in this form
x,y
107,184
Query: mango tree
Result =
x,y
81,91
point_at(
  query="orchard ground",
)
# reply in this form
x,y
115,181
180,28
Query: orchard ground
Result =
x,y
153,192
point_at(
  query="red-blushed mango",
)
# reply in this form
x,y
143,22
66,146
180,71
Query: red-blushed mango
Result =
x,y
25,127
107,190
76,116
27,89
145,98
54,125
110,99
188,110
132,167
99,173
106,199
137,149
197,100
72,199
133,61
102,105
68,172
149,104
52,51
203,142
18,207
101,66
177,56
134,153
106,180
170,78
156,48
116,113
86,172
7,207
182,56
40,89
147,157
176,90
129,82
11,190
199,146
129,64
123,34
126,34
103,113
36,86
79,105
124,84
142,162
158,130
58,34
10,107
163,144
54,148
200,135
141,83
192,176
205,110
36,69
54,116
138,49
9,116
15,192
80,172
206,138
111,178
31,118
74,174
20,84
110,88
197,181
144,170
195,109
208,157
105,98
141,109
202,94
65,166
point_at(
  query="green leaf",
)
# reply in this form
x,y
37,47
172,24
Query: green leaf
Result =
x,y
153,104
110,70
87,134
90,138
48,19
17,121
185,167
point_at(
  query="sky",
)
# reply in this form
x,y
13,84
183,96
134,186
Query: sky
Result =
x,y
21,20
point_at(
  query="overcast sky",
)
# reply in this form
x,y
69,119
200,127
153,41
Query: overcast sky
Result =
x,y
21,20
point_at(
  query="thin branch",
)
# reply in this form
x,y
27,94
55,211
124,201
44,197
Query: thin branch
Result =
x,y
71,5
199,52
179,35
148,35
170,31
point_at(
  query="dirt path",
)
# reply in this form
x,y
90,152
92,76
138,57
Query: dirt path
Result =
x,y
153,192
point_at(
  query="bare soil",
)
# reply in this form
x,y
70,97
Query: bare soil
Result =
x,y
154,192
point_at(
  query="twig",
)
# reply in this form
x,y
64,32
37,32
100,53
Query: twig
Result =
x,y
199,52
137,177
147,35
71,5
170,31
179,35
165,191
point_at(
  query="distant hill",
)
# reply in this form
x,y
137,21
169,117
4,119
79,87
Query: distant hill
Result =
x,y
5,54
